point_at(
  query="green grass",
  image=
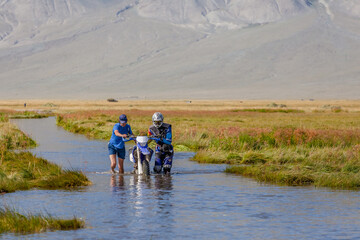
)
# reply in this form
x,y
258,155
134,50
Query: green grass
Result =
x,y
272,175
181,148
12,138
3,117
327,167
13,222
27,114
97,131
23,171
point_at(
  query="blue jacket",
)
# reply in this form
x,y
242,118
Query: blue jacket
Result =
x,y
163,132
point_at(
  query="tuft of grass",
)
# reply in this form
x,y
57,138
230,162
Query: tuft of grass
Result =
x,y
22,171
12,138
268,175
209,157
28,114
65,179
11,221
234,157
253,158
181,148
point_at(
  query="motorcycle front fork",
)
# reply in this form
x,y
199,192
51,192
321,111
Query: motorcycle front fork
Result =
x,y
147,158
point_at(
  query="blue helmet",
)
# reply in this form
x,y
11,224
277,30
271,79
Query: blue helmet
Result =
x,y
123,118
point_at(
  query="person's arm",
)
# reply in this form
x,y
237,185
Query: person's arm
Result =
x,y
168,137
152,135
117,133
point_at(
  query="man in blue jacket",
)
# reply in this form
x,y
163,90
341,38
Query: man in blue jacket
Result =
x,y
164,150
116,144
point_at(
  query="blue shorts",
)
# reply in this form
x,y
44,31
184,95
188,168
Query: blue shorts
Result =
x,y
119,152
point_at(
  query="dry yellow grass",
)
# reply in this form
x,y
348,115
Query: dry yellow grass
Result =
x,y
76,105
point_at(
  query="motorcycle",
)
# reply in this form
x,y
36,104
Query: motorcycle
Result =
x,y
141,154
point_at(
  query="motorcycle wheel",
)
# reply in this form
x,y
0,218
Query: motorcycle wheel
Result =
x,y
146,168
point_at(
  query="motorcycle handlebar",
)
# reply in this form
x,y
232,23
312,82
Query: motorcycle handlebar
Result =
x,y
133,138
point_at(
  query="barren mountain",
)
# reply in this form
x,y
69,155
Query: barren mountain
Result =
x,y
238,49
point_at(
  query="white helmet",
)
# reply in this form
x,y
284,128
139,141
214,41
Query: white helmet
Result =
x,y
157,119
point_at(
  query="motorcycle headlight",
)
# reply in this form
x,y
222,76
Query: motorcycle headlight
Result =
x,y
143,144
142,140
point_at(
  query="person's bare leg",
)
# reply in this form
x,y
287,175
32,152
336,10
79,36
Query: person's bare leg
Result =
x,y
121,165
112,162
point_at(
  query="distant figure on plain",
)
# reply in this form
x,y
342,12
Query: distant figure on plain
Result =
x,y
25,105
116,145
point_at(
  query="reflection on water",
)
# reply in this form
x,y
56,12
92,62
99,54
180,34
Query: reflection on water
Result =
x,y
163,185
117,182
146,197
140,185
163,182
198,201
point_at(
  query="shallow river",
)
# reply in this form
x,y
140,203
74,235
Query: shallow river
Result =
x,y
196,201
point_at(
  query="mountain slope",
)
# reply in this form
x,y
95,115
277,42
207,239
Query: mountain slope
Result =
x,y
179,49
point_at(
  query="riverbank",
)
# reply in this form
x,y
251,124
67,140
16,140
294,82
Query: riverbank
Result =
x,y
21,170
271,142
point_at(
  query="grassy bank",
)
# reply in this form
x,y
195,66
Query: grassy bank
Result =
x,y
279,145
22,170
11,221
12,138
325,167
23,114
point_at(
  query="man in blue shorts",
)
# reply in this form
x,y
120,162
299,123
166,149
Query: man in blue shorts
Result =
x,y
116,144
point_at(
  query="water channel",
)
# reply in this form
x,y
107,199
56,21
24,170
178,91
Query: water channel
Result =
x,y
197,201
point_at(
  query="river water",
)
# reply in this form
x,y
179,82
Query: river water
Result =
x,y
197,201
